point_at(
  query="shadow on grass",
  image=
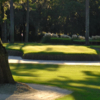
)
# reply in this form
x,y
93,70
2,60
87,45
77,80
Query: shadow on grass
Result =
x,y
95,47
84,89
25,69
88,89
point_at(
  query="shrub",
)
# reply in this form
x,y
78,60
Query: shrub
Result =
x,y
61,41
65,36
95,37
46,38
81,37
74,36
54,35
47,34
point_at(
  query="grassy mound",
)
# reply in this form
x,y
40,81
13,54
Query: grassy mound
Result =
x,y
55,52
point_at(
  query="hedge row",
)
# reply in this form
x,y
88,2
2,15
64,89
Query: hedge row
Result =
x,y
71,57
68,41
76,57
57,40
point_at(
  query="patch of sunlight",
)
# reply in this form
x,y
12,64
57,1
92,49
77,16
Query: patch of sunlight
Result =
x,y
5,44
12,68
33,49
56,48
68,97
36,48
14,47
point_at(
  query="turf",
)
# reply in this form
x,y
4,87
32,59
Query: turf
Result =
x,y
78,40
83,80
51,49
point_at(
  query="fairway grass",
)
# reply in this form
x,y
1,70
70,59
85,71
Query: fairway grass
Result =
x,y
83,80
38,48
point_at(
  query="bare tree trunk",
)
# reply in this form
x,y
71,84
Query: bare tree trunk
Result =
x,y
87,23
4,32
27,22
5,73
11,22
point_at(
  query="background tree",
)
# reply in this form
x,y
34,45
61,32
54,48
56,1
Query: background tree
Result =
x,y
11,22
69,17
27,22
87,22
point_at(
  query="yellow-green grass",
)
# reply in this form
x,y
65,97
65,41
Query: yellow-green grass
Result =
x,y
83,80
51,49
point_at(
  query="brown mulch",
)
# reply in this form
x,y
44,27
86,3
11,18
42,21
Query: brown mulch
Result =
x,y
15,88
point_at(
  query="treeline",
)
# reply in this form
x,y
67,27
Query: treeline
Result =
x,y
55,16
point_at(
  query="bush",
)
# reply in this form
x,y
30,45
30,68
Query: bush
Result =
x,y
47,34
49,39
81,37
65,36
61,41
46,39
95,37
54,35
74,36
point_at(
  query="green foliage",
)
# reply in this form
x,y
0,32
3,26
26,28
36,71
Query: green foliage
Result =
x,y
55,16
46,39
61,41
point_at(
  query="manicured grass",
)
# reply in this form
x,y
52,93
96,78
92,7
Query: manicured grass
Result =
x,y
83,80
51,49
78,40
94,46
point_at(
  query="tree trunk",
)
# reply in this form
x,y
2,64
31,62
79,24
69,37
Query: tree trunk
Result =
x,y
5,73
11,22
87,23
4,32
27,22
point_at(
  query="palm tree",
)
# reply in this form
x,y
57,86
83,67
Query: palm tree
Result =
x,y
27,22
87,23
11,22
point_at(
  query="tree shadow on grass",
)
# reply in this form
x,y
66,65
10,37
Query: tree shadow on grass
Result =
x,y
25,69
87,88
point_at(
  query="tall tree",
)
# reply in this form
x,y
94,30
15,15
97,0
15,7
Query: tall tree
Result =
x,y
4,32
87,23
5,73
27,22
11,22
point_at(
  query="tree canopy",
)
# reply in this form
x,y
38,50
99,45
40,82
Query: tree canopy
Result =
x,y
56,16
